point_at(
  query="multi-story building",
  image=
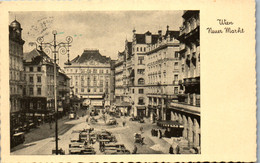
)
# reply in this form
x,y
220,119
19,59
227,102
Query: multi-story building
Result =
x,y
39,89
39,76
90,77
135,66
187,110
63,90
162,74
16,77
119,74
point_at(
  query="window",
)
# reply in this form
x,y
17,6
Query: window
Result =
x,y
176,54
107,71
95,81
95,90
88,80
144,49
141,91
39,91
137,49
133,90
82,89
176,67
100,89
31,79
141,81
31,69
76,84
140,60
39,69
175,90
76,90
140,101
95,71
88,90
101,83
141,49
39,79
140,71
175,77
31,91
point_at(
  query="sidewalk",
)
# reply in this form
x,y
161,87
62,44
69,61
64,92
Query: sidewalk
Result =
x,y
43,131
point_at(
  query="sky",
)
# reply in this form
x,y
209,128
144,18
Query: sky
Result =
x,y
103,30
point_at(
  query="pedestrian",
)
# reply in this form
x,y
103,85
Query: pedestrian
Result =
x,y
50,123
171,150
85,144
135,150
177,149
141,129
160,134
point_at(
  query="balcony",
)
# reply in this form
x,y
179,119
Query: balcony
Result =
x,y
193,36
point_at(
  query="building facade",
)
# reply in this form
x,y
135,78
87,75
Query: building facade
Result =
x,y
135,65
39,75
90,78
162,74
187,109
119,74
16,76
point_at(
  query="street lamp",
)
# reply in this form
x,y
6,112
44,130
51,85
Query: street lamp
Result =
x,y
63,48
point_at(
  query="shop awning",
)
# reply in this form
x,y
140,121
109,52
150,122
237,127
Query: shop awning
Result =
x,y
173,124
124,104
140,107
92,96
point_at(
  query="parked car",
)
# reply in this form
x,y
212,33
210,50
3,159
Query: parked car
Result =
x,y
141,120
72,115
17,139
134,119
112,121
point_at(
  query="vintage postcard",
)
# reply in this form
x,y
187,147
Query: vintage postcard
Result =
x,y
128,81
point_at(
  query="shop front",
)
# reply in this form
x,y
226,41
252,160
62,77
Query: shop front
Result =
x,y
172,128
141,111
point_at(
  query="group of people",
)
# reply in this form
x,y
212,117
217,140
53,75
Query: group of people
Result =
x,y
175,150
156,132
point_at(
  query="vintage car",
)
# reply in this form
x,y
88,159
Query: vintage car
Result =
x,y
87,136
17,138
88,151
138,138
134,119
72,115
113,148
112,121
76,149
141,120
106,137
